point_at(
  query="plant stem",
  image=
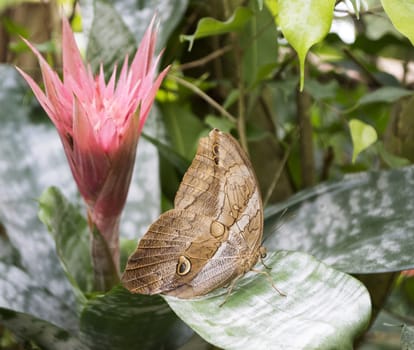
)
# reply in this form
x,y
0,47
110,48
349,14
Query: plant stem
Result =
x,y
303,102
204,96
105,254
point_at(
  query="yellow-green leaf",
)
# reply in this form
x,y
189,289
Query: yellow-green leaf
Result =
x,y
363,136
303,23
401,14
209,26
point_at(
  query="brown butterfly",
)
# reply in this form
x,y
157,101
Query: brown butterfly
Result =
x,y
212,236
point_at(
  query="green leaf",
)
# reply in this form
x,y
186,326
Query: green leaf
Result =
x,y
32,156
389,158
363,136
231,98
8,253
303,23
361,224
108,28
44,334
401,13
210,26
387,94
71,234
400,301
116,28
321,91
220,123
184,127
12,28
22,292
256,133
127,247
175,159
329,308
260,48
136,16
121,320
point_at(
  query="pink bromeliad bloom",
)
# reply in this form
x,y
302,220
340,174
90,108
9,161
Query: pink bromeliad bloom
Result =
x,y
99,124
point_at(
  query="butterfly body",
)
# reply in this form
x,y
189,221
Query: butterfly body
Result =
x,y
212,236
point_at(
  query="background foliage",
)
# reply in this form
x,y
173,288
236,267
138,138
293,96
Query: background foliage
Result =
x,y
238,66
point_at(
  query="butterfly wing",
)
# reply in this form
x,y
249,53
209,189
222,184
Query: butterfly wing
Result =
x,y
235,256
220,180
179,239
203,242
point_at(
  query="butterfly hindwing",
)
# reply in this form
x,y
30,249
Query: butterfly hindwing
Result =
x,y
153,267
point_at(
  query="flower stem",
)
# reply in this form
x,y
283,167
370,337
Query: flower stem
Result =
x,y
105,256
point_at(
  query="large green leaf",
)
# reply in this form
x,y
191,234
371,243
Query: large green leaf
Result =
x,y
121,320
8,253
19,291
114,29
170,154
71,234
184,128
210,26
323,308
34,281
361,224
133,15
109,38
260,49
137,14
387,94
303,23
401,13
43,333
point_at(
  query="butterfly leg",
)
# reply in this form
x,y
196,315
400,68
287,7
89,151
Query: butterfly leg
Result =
x,y
262,256
230,289
266,266
269,278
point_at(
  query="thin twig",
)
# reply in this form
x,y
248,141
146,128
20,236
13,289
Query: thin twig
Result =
x,y
276,178
241,120
371,77
268,114
204,96
284,65
307,158
204,60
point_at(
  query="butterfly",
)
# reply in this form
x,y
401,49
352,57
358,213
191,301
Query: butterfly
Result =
x,y
213,235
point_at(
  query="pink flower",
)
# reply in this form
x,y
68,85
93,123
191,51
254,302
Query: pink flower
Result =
x,y
99,124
